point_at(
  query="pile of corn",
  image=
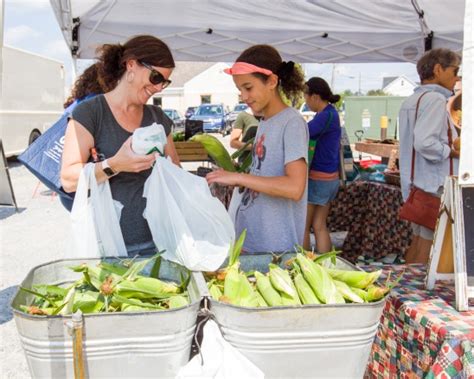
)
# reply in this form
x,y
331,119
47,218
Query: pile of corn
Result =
x,y
109,287
309,280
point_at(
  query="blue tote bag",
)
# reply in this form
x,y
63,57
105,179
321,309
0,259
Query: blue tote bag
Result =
x,y
43,157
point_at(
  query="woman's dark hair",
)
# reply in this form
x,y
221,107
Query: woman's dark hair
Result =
x,y
86,84
318,86
112,59
290,78
444,57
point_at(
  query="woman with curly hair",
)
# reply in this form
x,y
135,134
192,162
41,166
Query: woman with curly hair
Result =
x,y
273,205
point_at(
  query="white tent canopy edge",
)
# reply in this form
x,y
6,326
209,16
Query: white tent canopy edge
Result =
x,y
306,31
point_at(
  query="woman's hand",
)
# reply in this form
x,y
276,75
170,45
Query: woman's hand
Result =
x,y
126,160
224,177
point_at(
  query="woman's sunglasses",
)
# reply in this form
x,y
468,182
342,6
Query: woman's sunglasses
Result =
x,y
156,77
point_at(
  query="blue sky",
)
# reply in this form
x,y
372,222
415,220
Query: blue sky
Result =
x,y
31,25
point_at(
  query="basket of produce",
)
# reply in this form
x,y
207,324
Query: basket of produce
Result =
x,y
137,317
299,315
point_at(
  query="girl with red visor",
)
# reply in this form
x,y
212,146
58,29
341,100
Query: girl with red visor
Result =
x,y
274,199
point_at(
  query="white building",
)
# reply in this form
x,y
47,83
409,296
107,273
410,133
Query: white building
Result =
x,y
195,83
398,86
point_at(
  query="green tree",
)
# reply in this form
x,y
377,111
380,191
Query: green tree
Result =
x,y
376,92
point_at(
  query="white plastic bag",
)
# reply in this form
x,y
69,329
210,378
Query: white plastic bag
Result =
x,y
95,219
147,139
221,359
185,219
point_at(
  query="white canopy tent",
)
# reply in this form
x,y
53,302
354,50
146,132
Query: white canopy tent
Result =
x,y
306,31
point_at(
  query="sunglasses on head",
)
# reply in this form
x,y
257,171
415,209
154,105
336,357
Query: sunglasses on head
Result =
x,y
156,77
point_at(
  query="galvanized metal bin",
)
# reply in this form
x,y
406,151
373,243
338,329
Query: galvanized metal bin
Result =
x,y
317,341
135,344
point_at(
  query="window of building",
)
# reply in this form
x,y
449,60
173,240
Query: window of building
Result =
x,y
205,99
158,101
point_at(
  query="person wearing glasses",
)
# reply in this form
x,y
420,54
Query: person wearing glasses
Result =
x,y
424,125
129,74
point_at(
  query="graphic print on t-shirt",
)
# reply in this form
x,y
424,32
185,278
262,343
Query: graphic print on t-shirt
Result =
x,y
259,152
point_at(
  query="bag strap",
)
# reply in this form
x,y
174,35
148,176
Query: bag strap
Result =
x,y
413,155
313,142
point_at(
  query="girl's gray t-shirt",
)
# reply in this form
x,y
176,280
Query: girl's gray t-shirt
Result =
x,y
274,223
127,188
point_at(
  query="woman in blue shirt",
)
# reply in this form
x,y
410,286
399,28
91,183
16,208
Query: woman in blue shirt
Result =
x,y
323,177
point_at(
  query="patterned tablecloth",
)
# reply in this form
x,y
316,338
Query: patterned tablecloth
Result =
x,y
369,212
421,335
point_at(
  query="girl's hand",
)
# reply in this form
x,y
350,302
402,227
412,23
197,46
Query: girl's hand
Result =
x,y
224,177
125,160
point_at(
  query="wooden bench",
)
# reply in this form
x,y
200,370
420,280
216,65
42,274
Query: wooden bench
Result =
x,y
191,152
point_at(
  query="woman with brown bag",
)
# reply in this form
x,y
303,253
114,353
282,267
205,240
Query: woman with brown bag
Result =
x,y
427,153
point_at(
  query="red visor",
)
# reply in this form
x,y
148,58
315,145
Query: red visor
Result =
x,y
240,68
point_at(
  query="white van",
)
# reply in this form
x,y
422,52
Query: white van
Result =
x,y
31,97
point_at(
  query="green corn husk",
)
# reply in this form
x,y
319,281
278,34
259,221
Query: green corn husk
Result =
x,y
87,302
51,291
120,300
232,284
360,292
347,293
358,279
282,282
214,291
146,288
177,301
305,292
319,280
260,300
216,151
375,293
113,268
265,288
247,294
134,308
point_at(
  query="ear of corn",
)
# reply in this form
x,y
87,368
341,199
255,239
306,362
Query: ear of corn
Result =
x,y
281,281
358,279
305,291
247,295
232,284
146,288
347,293
216,151
360,292
375,293
215,291
260,300
87,302
177,301
319,280
265,288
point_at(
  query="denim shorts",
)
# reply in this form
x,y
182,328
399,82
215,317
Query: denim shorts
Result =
x,y
322,192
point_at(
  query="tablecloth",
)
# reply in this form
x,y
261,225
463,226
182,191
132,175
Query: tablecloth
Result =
x,y
421,335
369,212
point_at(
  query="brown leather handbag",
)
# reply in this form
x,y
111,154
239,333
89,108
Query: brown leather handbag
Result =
x,y
422,207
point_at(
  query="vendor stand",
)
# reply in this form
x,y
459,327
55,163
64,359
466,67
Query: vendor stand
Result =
x,y
368,211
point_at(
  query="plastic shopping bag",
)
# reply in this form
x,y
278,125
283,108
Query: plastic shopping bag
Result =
x,y
148,139
185,219
221,359
95,219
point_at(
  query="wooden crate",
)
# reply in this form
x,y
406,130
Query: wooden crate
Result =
x,y
191,152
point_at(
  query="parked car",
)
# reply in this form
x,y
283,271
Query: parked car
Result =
x,y
307,113
235,112
176,117
214,117
189,112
